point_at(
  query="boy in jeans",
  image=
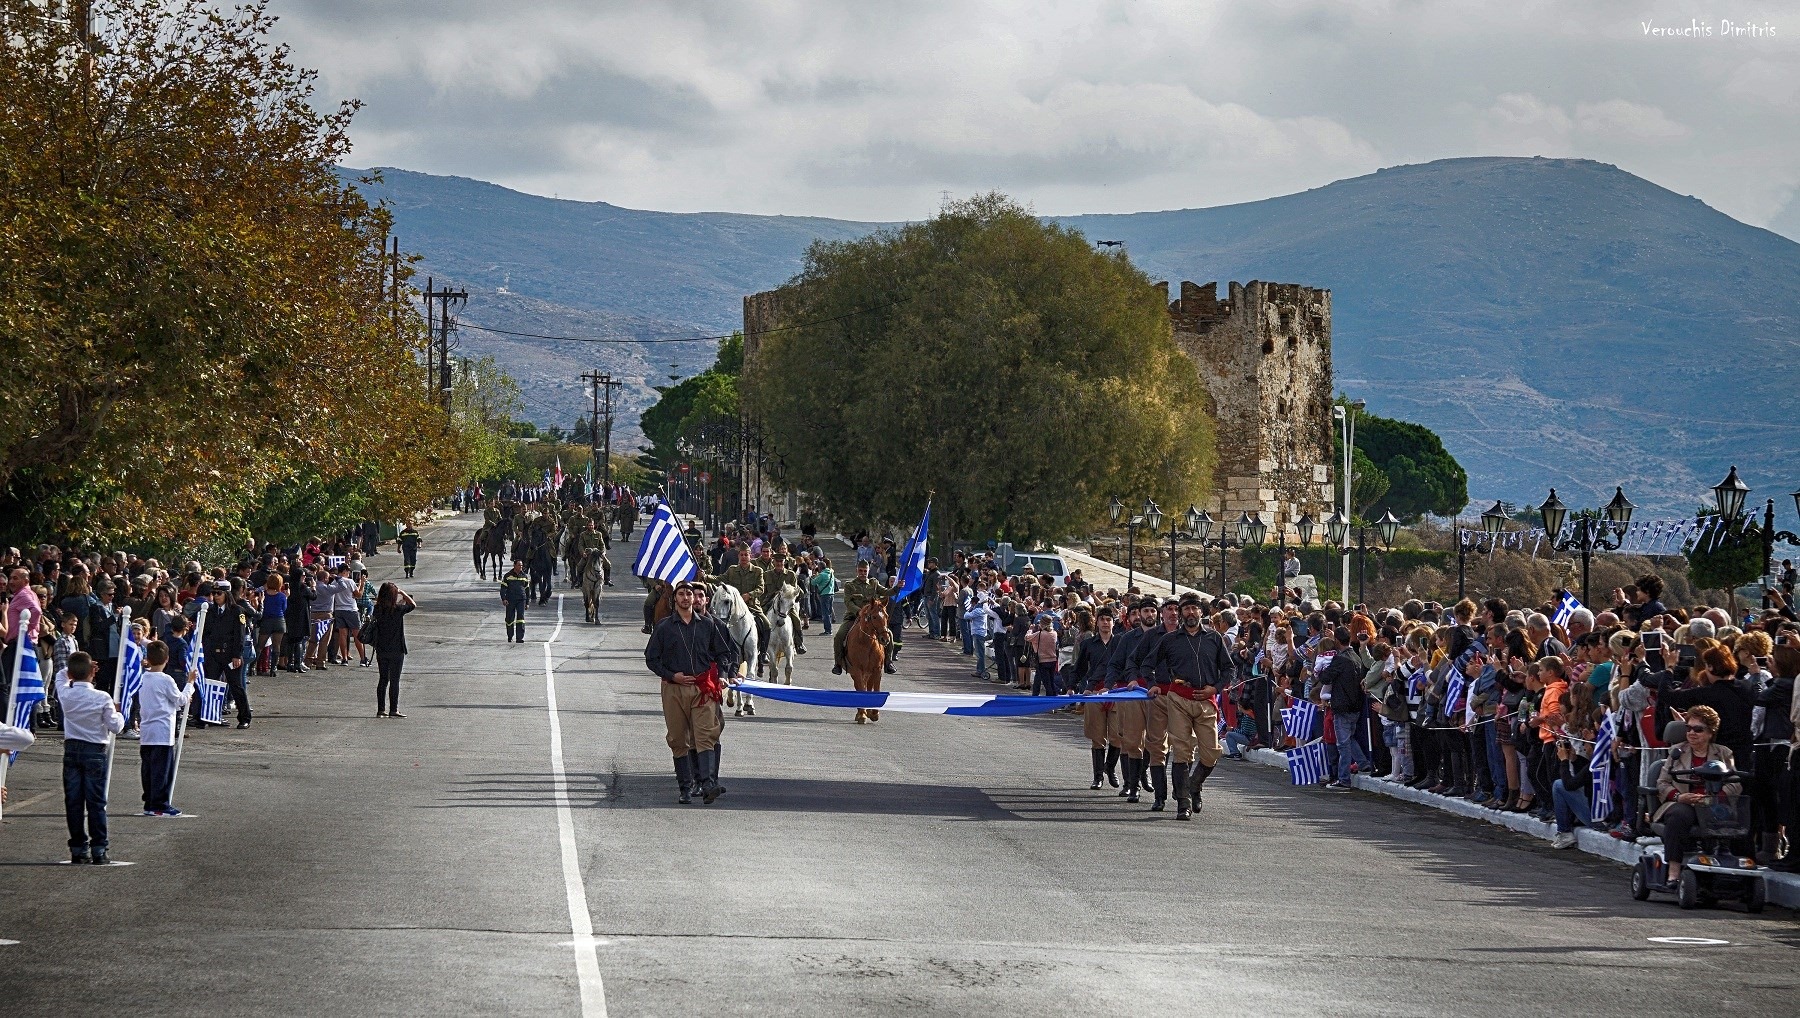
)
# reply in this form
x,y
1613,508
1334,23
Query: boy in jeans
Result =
x,y
160,700
89,722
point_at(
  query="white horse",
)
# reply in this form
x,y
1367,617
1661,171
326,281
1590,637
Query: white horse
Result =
x,y
729,609
781,634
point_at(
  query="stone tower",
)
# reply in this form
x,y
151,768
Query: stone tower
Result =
x,y
1264,354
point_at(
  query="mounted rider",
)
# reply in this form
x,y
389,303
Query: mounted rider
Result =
x,y
778,573
592,542
859,592
749,579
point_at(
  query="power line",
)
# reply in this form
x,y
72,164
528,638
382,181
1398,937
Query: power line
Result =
x,y
681,339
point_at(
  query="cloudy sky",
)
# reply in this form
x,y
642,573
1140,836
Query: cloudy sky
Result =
x,y
872,110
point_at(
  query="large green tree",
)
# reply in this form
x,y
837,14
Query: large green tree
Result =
x,y
1728,563
995,359
1417,474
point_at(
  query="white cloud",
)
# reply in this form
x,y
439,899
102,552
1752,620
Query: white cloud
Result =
x,y
869,111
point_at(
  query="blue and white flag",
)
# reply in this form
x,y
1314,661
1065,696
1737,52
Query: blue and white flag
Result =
x,y
959,704
1455,690
1600,768
28,681
912,560
664,553
1298,721
131,674
212,701
1565,607
1306,764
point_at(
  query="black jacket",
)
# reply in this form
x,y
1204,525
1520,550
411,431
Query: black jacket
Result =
x,y
689,647
1343,676
1200,659
227,627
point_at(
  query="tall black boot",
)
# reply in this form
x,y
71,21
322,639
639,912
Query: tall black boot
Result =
x,y
1099,756
1178,777
1134,777
1159,782
718,753
684,776
1112,765
709,784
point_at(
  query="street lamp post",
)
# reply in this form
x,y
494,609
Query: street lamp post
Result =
x,y
1246,530
1339,528
1492,522
1198,523
1595,529
1729,496
1151,517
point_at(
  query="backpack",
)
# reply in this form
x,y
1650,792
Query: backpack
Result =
x,y
369,630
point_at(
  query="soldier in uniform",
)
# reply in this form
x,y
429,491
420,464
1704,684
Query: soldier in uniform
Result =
x,y
1156,737
777,574
515,593
748,579
409,541
689,655
859,592
490,517
1194,665
592,542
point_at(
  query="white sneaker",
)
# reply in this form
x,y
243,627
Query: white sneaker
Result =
x,y
1564,839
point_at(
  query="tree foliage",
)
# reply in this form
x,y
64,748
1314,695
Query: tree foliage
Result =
x,y
990,357
191,302
695,408
1731,562
1417,474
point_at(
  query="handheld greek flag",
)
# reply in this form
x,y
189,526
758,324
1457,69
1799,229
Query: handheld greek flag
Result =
x,y
1600,767
28,680
912,560
212,701
1306,764
1455,690
958,704
664,554
1298,721
131,675
1565,607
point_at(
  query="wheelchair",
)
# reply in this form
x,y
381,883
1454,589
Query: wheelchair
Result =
x,y
1713,870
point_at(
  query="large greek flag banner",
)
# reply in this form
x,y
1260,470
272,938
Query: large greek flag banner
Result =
x,y
212,701
962,704
664,553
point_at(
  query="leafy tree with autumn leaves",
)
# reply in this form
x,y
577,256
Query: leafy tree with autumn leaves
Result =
x,y
193,317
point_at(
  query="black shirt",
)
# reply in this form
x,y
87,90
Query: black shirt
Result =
x,y
689,647
1200,659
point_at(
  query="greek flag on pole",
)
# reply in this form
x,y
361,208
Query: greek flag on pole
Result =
x,y
212,701
1298,721
196,654
959,704
28,684
1306,764
1600,767
664,553
912,560
1565,607
131,675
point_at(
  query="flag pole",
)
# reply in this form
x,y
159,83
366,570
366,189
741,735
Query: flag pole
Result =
x,y
12,698
112,742
181,716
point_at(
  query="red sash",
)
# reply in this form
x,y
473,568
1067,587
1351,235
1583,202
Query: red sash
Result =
x,y
709,685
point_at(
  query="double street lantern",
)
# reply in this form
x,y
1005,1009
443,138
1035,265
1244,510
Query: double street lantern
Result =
x,y
1246,530
1150,517
1729,497
1594,530
1338,529
1195,526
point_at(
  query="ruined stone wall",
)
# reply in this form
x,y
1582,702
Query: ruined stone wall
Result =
x,y
762,312
1264,355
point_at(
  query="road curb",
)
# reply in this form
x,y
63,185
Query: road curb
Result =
x,y
1784,888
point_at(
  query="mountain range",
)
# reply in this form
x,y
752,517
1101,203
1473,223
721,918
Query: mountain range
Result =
x,y
1559,322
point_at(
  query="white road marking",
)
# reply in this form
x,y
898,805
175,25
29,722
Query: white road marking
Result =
x,y
581,925
1688,941
7,943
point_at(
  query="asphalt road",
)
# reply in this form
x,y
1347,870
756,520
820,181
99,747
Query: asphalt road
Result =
x,y
436,865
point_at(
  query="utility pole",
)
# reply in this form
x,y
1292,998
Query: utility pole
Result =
x,y
440,316
430,331
601,387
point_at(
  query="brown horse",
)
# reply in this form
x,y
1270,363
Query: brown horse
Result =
x,y
864,654
665,602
